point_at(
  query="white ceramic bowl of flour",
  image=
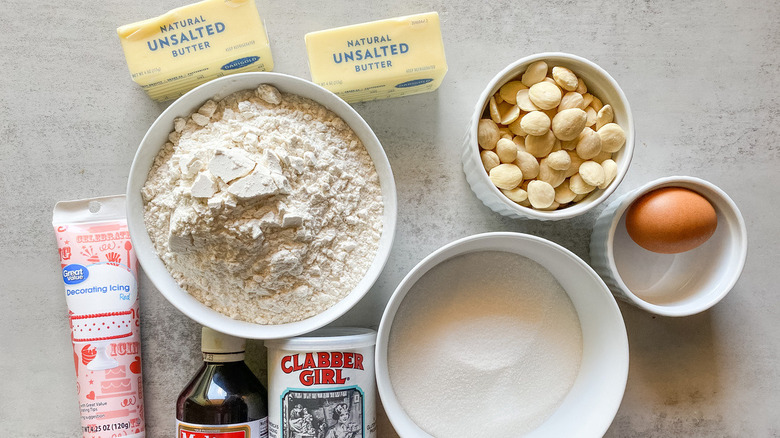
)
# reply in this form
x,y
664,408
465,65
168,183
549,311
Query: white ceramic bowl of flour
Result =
x,y
473,337
157,136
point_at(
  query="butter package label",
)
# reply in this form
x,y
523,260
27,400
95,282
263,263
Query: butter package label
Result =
x,y
175,52
381,59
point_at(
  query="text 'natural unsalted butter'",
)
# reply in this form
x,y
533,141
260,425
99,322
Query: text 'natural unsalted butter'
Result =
x,y
175,52
380,59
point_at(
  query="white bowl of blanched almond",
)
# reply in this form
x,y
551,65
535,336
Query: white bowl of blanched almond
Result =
x,y
551,137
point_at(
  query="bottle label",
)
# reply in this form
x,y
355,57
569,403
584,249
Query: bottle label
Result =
x,y
252,429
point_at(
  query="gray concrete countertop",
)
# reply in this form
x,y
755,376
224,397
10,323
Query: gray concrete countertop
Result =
x,y
702,79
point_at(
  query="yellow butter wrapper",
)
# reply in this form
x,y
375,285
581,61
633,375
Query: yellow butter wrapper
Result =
x,y
381,59
188,46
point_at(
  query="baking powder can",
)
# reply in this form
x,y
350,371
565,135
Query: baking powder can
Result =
x,y
322,384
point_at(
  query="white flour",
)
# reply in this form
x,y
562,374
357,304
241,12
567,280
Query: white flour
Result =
x,y
264,206
487,355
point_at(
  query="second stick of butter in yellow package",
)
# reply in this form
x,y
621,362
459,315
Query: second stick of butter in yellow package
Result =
x,y
381,59
175,52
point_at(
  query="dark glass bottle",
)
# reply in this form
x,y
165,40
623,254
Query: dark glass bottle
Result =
x,y
224,396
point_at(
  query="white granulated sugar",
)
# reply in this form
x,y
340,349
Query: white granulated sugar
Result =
x,y
264,206
486,344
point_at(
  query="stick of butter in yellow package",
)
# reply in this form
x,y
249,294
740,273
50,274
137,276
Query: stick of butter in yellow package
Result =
x,y
188,46
381,59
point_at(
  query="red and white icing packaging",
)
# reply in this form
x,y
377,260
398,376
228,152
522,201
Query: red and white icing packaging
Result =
x,y
99,271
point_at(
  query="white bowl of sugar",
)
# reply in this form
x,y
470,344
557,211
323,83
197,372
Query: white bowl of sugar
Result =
x,y
502,334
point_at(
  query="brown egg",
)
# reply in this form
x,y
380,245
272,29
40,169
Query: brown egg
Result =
x,y
671,220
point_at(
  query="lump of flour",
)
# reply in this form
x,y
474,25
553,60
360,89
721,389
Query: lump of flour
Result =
x,y
264,206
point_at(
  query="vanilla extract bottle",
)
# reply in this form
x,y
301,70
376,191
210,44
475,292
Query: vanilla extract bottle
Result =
x,y
224,397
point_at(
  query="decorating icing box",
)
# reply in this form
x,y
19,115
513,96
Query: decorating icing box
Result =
x,y
101,290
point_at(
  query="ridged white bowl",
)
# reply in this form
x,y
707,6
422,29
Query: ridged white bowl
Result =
x,y
670,284
601,84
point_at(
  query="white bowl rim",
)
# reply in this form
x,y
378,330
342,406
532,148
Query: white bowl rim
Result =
x,y
580,208
394,410
195,309
674,310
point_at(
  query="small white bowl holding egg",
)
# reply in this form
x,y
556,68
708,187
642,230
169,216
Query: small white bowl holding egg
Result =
x,y
674,246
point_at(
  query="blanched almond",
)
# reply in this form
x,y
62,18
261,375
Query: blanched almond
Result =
x,y
545,95
516,129
506,150
553,206
581,87
540,145
528,164
604,116
493,110
596,104
578,186
489,159
589,144
535,73
508,113
506,176
569,123
508,91
520,142
592,173
552,81
563,194
587,98
612,137
549,175
524,101
487,134
535,123
572,99
592,115
610,172
559,160
540,194
574,167
565,78
517,194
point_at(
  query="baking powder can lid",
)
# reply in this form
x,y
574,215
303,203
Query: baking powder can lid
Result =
x,y
327,338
